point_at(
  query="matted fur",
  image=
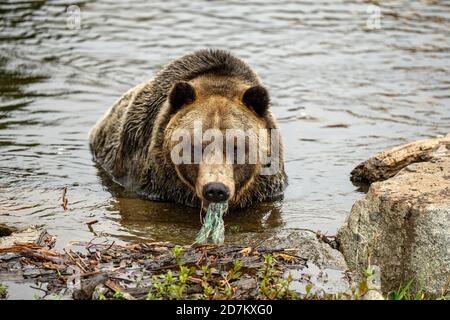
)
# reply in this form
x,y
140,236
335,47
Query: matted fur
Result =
x,y
128,140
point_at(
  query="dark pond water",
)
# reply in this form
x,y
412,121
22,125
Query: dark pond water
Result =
x,y
341,90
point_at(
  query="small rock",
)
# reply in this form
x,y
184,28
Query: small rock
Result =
x,y
373,295
247,287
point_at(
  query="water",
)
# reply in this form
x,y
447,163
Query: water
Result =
x,y
341,92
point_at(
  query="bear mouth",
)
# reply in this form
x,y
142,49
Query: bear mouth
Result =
x,y
205,203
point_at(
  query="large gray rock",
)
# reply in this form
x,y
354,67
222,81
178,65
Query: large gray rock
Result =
x,y
403,226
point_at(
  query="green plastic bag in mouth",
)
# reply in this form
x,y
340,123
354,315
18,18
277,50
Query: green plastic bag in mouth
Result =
x,y
213,229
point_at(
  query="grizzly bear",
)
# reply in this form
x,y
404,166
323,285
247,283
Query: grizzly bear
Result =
x,y
134,141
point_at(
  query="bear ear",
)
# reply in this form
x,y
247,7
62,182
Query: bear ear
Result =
x,y
181,94
257,98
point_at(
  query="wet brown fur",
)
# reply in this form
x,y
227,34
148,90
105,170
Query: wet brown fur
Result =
x,y
131,141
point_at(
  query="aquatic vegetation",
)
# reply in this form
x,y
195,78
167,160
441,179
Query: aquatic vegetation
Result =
x,y
213,229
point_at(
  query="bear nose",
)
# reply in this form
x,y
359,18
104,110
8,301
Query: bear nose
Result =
x,y
216,192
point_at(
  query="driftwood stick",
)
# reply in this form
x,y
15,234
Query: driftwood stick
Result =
x,y
65,200
387,163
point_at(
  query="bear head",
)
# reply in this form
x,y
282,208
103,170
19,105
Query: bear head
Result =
x,y
214,136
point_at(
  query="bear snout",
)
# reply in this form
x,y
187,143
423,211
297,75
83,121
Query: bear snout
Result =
x,y
216,192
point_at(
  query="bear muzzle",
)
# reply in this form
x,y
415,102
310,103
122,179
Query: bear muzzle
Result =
x,y
216,192
215,183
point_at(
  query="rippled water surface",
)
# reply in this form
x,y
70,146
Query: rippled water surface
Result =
x,y
340,90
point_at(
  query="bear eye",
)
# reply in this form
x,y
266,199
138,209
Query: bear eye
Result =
x,y
257,98
181,94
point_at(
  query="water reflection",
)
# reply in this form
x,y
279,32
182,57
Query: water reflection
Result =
x,y
159,221
163,221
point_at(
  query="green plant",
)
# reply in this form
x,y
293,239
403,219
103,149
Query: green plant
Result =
x,y
169,285
173,284
209,283
118,295
177,252
273,285
3,291
208,290
405,292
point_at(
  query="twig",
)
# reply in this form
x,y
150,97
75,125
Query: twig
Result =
x,y
91,222
74,260
43,290
65,200
110,246
82,261
91,229
90,274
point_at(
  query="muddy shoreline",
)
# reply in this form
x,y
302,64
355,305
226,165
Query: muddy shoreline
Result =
x,y
101,269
